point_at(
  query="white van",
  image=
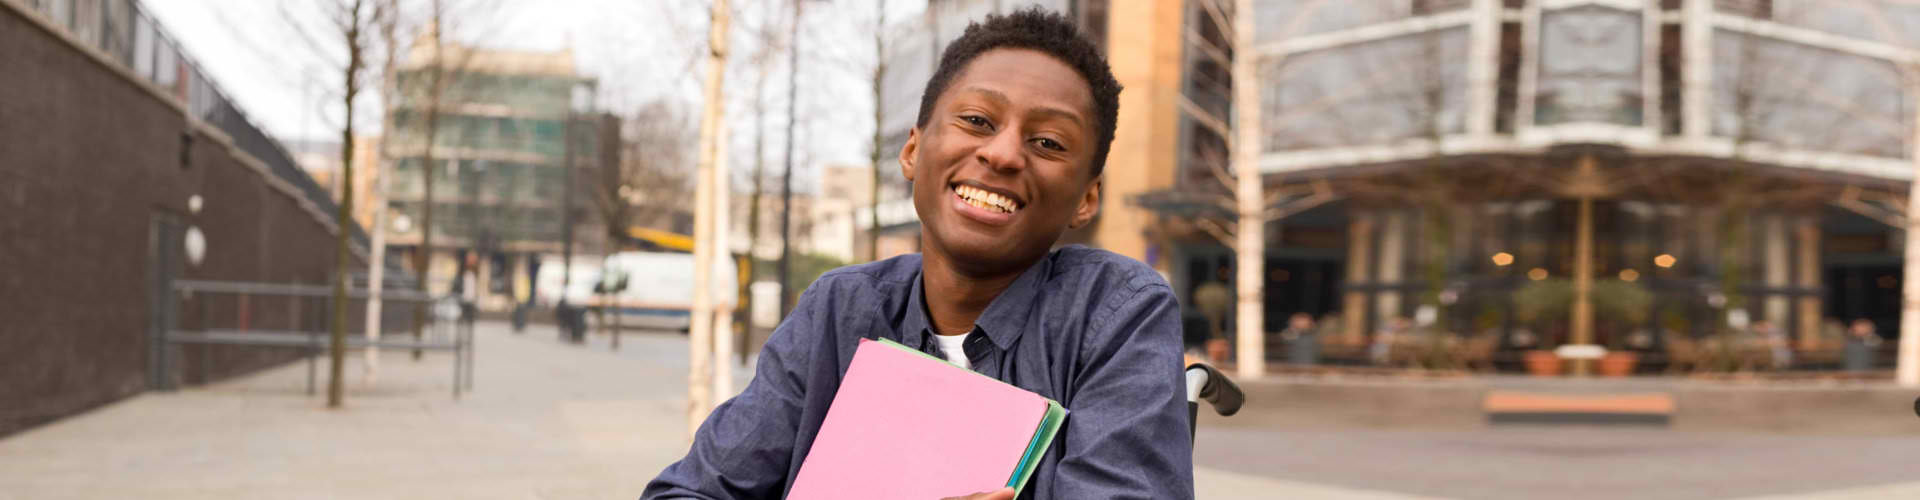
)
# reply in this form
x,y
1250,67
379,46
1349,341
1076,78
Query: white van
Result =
x,y
586,272
659,288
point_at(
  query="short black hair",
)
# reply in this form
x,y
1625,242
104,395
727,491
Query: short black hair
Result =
x,y
1049,33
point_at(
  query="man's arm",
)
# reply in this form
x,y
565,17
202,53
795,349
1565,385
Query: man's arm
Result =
x,y
1127,436
744,447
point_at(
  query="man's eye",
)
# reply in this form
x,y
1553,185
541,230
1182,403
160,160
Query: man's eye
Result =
x,y
1050,144
977,121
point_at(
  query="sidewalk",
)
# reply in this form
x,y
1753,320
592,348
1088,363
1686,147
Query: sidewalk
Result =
x,y
545,420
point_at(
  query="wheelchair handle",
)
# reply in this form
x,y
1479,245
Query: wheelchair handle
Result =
x,y
1206,383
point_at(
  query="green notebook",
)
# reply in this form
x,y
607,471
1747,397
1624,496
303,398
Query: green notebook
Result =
x,y
1042,436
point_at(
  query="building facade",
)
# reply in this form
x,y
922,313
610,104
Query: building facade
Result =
x,y
503,168
1672,169
119,147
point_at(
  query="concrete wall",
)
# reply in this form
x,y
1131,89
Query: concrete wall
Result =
x,y
89,157
1145,57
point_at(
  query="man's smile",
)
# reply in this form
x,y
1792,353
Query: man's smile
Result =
x,y
984,203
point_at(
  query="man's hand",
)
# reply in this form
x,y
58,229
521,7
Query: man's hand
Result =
x,y
999,494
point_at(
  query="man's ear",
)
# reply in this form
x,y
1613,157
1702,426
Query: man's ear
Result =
x,y
1089,205
908,153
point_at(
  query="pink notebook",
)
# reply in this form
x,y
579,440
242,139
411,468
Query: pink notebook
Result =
x,y
905,425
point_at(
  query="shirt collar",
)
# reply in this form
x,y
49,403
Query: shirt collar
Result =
x,y
1004,319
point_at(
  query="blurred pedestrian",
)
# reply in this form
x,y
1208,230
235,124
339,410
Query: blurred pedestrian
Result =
x,y
1213,299
1303,345
1862,341
1777,343
1381,352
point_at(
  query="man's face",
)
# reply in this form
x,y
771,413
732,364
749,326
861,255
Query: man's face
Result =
x,y
1004,163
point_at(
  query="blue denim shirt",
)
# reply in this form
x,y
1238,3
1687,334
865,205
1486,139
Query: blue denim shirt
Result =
x,y
1093,330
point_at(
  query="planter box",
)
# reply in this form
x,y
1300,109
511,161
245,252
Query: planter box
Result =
x,y
1543,363
1619,363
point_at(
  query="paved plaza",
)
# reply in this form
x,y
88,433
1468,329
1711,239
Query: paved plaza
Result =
x,y
553,420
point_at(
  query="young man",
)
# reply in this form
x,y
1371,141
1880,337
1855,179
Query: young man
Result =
x,y
1013,130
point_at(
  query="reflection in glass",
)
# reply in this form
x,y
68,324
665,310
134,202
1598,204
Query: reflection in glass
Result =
x,y
1589,67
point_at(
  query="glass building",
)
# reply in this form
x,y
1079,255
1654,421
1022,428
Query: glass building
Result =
x,y
500,163
1683,168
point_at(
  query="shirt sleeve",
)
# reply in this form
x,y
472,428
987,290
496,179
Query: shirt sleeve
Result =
x,y
1127,436
744,447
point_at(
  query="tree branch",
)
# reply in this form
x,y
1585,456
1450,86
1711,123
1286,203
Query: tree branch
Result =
x,y
1207,119
1216,230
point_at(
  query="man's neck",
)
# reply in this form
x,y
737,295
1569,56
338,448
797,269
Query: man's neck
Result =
x,y
956,299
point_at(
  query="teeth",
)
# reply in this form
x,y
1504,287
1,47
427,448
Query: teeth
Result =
x,y
982,199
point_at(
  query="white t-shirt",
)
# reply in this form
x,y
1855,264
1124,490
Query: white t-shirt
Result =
x,y
955,347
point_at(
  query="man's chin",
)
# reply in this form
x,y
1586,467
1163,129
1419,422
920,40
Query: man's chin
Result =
x,y
978,254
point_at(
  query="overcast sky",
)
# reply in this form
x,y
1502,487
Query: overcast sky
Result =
x,y
638,49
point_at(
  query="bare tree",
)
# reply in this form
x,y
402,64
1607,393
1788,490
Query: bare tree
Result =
x,y
700,337
771,45
388,27
651,183
1227,42
1907,368
879,106
428,83
353,20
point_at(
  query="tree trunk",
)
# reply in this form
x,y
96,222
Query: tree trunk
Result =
x,y
722,254
376,266
1907,370
879,79
786,178
699,341
343,230
753,202
424,257
1251,247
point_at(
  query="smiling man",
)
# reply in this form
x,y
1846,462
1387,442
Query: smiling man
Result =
x,y
1013,130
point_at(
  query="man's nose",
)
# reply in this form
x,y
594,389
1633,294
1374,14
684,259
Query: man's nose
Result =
x,y
1002,151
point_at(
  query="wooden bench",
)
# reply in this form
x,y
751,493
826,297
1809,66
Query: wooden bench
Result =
x,y
1545,408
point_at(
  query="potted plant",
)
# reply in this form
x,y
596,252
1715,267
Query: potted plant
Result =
x,y
1217,349
1545,304
1542,363
1620,303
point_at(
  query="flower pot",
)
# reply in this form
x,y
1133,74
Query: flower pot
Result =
x,y
1217,350
1542,363
1618,363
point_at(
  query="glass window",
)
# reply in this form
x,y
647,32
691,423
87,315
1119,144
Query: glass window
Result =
x,y
1672,57
116,30
1888,21
1904,19
61,12
1759,9
143,47
1280,19
166,62
1369,93
1800,97
1589,67
404,181
86,21
549,183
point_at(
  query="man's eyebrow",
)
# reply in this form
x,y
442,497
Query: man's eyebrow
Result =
x,y
1001,99
993,95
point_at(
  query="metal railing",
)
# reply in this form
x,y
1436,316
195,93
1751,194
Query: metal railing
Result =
x,y
130,37
302,324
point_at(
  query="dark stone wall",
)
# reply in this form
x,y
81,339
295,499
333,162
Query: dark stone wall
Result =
x,y
88,160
